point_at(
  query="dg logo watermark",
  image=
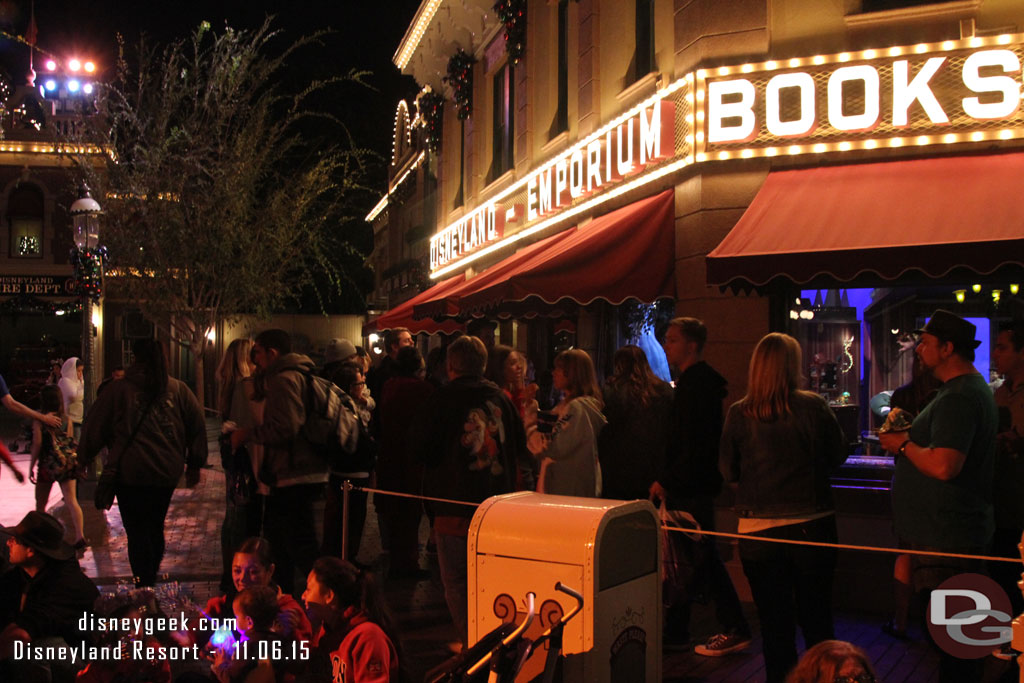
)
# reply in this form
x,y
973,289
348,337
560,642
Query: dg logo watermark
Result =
x,y
969,615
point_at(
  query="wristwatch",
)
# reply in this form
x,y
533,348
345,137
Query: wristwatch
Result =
x,y
902,450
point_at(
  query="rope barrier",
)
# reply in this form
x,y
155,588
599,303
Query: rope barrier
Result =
x,y
742,537
367,489
843,546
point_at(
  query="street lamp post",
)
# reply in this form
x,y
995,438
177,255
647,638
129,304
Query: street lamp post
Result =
x,y
87,258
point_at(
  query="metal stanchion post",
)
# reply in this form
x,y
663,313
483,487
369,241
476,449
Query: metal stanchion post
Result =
x,y
346,488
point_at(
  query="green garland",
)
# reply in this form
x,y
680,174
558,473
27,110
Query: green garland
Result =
x,y
460,77
88,265
512,14
26,303
431,109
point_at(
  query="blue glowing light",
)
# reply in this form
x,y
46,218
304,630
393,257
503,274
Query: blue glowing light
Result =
x,y
73,85
222,638
51,84
87,88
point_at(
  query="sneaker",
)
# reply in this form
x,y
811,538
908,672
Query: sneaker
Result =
x,y
723,644
1005,653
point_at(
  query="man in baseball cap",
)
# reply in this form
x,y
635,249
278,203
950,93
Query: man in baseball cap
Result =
x,y
44,593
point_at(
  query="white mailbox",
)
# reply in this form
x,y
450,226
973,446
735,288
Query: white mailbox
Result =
x,y
608,550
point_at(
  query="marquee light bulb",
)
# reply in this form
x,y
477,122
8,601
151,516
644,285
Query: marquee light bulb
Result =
x,y
960,295
50,65
74,65
90,67
976,288
1014,288
73,85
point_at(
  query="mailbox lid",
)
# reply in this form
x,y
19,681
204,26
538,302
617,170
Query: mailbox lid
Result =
x,y
543,527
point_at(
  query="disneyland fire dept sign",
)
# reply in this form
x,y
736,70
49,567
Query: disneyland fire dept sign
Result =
x,y
921,95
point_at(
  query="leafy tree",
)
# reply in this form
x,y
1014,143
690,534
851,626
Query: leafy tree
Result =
x,y
229,190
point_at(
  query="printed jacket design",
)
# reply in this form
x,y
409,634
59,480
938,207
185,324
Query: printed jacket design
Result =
x,y
470,438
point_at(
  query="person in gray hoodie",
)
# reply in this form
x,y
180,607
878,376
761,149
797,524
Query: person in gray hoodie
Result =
x,y
567,448
292,466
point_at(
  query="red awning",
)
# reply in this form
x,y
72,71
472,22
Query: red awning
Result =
x,y
401,315
447,303
628,253
884,219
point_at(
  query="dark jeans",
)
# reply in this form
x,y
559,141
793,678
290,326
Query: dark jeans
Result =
x,y
143,510
708,575
452,562
402,527
333,511
290,523
928,573
791,585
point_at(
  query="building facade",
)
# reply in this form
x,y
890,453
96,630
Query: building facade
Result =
x,y
836,170
40,311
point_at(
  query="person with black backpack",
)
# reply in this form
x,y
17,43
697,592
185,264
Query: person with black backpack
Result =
x,y
356,467
294,467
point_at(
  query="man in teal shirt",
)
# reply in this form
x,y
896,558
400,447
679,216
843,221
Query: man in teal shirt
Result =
x,y
942,488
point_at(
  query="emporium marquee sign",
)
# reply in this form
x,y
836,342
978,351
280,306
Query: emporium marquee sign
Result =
x,y
925,95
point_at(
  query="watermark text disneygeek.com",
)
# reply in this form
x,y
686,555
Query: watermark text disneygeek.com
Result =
x,y
151,625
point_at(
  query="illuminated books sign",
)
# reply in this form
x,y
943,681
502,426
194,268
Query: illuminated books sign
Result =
x,y
921,95
927,94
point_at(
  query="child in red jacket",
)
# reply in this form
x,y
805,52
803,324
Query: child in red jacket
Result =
x,y
354,642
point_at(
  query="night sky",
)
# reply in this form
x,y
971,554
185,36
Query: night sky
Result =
x,y
367,35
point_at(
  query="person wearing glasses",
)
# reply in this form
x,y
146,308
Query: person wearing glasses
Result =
x,y
833,661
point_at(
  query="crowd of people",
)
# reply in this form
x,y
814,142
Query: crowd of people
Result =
x,y
480,428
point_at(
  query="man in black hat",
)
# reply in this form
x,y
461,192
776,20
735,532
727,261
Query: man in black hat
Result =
x,y
942,488
44,594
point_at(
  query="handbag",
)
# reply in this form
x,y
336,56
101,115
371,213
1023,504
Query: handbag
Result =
x,y
107,484
683,557
63,460
241,480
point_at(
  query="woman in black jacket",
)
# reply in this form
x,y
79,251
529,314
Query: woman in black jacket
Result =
x,y
153,426
779,447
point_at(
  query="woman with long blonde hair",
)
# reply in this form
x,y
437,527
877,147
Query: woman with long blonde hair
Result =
x,y
779,446
234,368
567,448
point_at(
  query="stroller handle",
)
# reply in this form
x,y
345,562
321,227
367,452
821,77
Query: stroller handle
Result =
x,y
511,637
